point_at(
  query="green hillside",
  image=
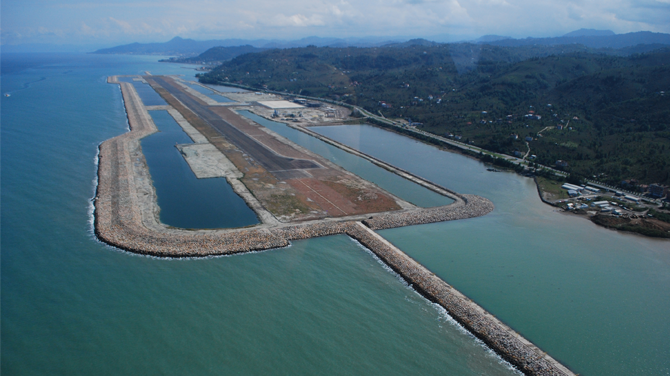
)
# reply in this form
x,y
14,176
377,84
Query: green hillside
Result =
x,y
614,117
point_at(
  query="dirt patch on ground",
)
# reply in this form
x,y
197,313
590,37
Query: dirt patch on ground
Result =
x,y
645,226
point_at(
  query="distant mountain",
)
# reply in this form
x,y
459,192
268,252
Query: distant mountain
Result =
x,y
176,46
217,55
189,47
330,42
413,42
490,38
589,33
606,41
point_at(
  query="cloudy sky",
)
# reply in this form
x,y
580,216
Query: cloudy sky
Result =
x,y
115,22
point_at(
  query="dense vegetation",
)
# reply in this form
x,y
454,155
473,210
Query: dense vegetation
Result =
x,y
612,109
217,55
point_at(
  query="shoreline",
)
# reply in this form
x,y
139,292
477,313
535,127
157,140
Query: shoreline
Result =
x,y
628,230
126,217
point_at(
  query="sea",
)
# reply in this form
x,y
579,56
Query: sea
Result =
x,y
595,299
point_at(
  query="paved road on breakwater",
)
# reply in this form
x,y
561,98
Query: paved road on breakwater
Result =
x,y
266,157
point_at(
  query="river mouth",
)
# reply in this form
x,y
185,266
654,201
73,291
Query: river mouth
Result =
x,y
184,200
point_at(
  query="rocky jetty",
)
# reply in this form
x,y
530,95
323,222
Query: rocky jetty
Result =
x,y
126,216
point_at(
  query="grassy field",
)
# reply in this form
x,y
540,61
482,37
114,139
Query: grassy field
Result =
x,y
551,189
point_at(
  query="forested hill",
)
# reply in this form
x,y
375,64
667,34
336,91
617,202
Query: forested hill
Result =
x,y
593,40
607,115
217,55
175,46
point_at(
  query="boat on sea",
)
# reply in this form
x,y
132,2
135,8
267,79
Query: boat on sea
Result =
x,y
7,95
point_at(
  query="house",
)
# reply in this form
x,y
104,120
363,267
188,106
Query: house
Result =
x,y
517,153
573,187
561,163
632,198
559,127
657,191
529,139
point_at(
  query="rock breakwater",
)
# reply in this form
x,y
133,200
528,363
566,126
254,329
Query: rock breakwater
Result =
x,y
126,216
511,346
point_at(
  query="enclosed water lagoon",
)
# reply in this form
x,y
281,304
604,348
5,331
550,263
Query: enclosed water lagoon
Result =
x,y
148,95
217,97
184,200
225,89
389,181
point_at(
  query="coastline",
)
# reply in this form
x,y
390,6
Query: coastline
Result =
x,y
638,230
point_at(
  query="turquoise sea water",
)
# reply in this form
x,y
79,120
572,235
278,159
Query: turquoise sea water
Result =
x,y
596,299
73,306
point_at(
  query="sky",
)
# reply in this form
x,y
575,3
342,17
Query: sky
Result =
x,y
114,22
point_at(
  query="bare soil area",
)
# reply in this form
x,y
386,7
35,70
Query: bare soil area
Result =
x,y
645,226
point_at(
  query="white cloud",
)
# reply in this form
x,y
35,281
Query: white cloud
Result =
x,y
298,20
208,19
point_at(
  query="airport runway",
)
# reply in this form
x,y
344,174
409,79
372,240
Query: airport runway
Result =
x,y
267,158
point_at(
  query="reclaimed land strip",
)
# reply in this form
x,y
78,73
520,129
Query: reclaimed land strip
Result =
x,y
126,217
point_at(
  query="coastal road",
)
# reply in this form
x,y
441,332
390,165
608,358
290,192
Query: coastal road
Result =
x,y
270,160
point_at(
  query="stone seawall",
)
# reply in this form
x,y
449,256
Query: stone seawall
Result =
x,y
126,216
503,340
